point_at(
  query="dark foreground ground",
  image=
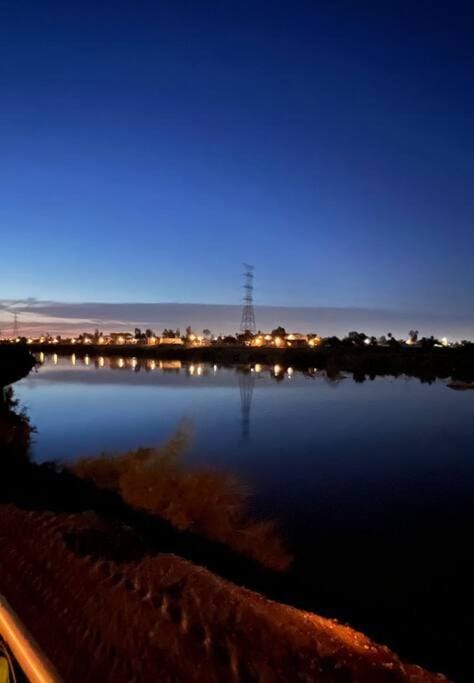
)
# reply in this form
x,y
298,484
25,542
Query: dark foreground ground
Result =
x,y
106,591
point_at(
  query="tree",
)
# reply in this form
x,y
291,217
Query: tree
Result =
x,y
357,337
149,333
138,333
279,332
413,335
189,331
206,332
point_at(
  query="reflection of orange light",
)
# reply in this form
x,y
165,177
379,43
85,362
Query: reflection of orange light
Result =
x,y
277,369
120,362
258,367
101,361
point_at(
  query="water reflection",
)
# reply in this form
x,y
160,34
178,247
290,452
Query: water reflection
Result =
x,y
277,372
246,385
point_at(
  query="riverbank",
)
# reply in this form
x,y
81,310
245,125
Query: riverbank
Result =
x,y
362,361
124,595
16,362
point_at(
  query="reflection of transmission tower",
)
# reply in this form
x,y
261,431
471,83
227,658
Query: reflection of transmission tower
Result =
x,y
246,384
247,323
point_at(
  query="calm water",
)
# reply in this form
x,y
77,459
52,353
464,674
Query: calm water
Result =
x,y
371,483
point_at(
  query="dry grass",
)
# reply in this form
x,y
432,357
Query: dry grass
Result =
x,y
205,501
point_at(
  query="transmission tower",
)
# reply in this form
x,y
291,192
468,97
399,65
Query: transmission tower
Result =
x,y
15,325
247,323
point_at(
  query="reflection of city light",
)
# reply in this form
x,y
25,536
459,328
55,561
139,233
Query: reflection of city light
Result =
x,y
41,357
55,358
277,369
258,367
215,368
101,361
134,363
290,372
191,369
152,364
73,359
120,362
199,370
86,359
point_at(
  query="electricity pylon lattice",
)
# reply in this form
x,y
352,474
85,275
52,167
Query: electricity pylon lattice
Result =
x,y
247,323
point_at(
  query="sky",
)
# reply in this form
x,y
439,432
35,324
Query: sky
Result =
x,y
149,148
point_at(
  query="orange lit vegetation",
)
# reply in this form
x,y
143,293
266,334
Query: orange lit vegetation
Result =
x,y
208,502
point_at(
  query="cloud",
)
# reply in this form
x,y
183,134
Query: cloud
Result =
x,y
36,316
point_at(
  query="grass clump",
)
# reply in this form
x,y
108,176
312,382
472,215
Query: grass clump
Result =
x,y
209,502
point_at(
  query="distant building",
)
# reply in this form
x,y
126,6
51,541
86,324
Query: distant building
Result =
x,y
296,339
177,341
121,338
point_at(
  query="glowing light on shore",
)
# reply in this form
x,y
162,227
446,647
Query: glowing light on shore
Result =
x,y
444,341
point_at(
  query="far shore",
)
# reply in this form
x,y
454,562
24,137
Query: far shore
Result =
x,y
363,361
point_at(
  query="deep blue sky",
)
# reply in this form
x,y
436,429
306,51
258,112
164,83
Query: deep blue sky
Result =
x,y
148,148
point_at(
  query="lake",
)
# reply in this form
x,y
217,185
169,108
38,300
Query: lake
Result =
x,y
371,483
